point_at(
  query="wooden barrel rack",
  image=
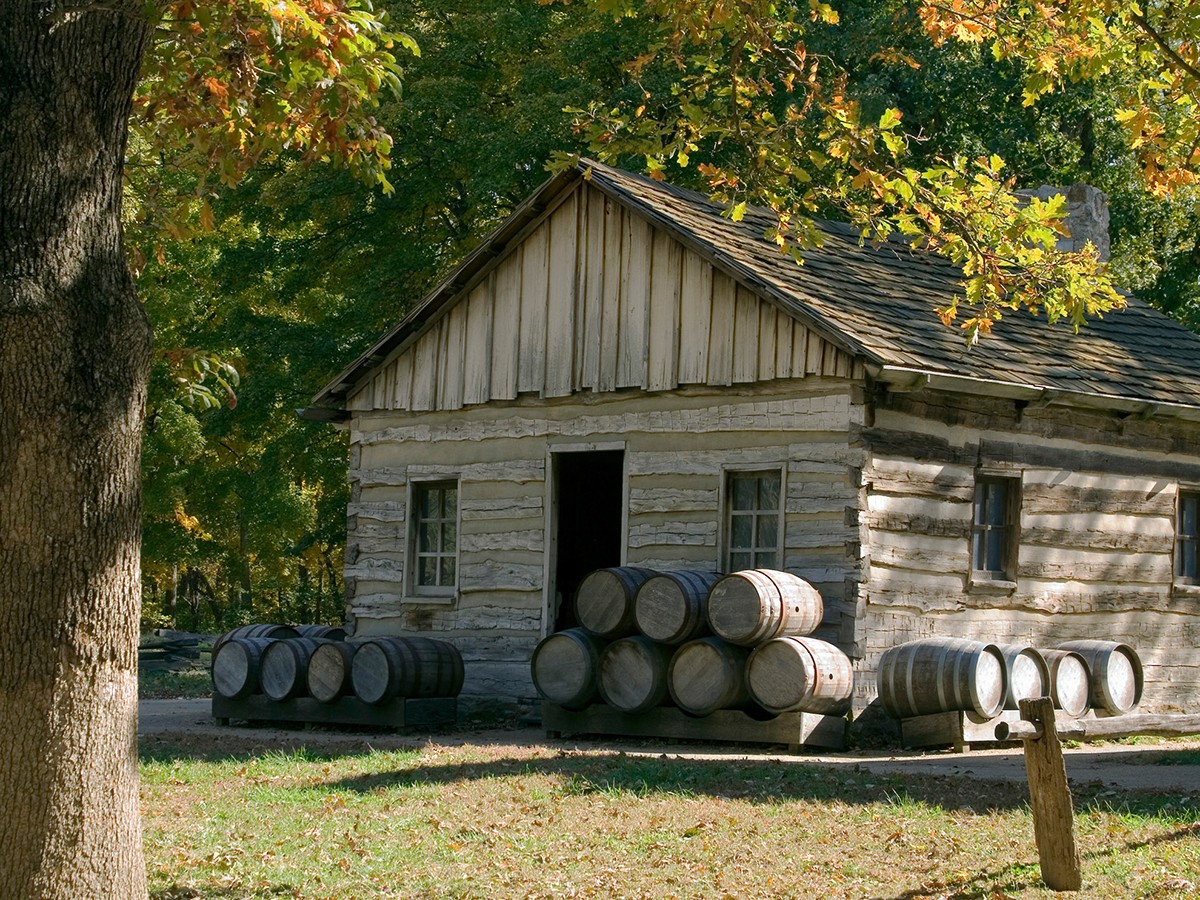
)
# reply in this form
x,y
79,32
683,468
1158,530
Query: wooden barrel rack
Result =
x,y
431,712
794,730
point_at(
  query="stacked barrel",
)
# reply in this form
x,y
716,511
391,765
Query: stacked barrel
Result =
x,y
696,641
936,675
317,661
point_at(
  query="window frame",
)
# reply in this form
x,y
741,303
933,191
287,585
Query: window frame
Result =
x,y
724,544
1189,492
436,593
1007,575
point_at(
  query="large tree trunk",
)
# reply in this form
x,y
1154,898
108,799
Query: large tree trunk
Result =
x,y
74,359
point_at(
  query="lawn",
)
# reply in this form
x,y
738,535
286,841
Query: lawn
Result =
x,y
495,820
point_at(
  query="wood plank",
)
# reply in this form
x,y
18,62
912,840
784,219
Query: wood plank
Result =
x,y
783,344
535,284
477,346
746,335
768,323
424,395
506,328
799,351
635,302
721,330
695,317
663,351
453,362
610,315
562,300
814,354
401,391
591,292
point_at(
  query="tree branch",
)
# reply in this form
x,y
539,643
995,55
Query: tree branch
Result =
x,y
1171,53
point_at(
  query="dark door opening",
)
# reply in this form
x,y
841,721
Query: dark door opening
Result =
x,y
589,495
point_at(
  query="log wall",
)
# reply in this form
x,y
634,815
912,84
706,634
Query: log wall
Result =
x,y
1097,531
676,449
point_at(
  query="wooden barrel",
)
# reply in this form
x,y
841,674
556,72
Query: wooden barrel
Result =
x,y
283,669
800,674
329,671
278,632
328,632
756,605
708,674
566,667
1116,674
604,600
1069,679
236,664
941,675
633,674
1028,674
670,607
389,667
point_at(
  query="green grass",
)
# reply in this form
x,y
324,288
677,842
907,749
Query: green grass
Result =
x,y
496,821
168,685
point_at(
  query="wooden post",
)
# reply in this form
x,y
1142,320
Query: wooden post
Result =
x,y
1050,796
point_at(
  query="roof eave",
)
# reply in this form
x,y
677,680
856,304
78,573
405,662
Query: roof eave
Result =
x,y
906,379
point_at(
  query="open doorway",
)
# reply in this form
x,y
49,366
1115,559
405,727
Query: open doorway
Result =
x,y
589,494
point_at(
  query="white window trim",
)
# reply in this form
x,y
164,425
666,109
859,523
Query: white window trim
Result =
x,y
438,595
723,507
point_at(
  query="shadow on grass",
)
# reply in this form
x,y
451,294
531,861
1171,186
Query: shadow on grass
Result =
x,y
1013,879
757,781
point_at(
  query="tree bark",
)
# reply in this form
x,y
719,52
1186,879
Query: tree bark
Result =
x,y
74,360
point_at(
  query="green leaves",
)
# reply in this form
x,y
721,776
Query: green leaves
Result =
x,y
747,99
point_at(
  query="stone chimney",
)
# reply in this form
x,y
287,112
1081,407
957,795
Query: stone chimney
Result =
x,y
1087,215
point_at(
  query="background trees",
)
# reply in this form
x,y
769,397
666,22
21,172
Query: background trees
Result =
x,y
303,266
292,272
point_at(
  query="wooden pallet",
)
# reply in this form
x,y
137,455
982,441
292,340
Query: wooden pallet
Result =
x,y
795,730
960,729
401,713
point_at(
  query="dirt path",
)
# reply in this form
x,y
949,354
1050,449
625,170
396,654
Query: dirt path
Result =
x,y
188,723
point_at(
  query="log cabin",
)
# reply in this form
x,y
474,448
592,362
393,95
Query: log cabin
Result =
x,y
619,375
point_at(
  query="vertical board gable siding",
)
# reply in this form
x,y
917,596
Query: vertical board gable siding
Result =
x,y
596,298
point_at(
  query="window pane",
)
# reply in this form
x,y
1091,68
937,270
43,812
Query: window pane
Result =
x,y
449,537
739,561
447,571
449,503
980,503
427,502
427,574
995,551
765,560
1187,514
768,531
743,491
427,538
768,492
978,546
997,503
741,532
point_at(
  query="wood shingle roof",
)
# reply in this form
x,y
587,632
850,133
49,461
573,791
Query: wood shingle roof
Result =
x,y
875,302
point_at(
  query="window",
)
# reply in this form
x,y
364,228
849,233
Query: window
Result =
x,y
1187,537
435,537
753,520
994,533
